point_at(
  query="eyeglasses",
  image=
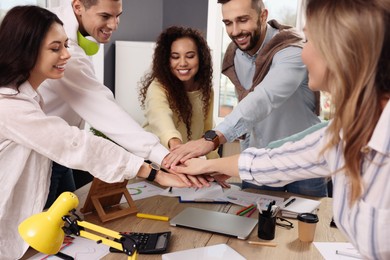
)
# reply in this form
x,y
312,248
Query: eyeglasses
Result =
x,y
284,223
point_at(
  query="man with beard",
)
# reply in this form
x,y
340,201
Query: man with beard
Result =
x,y
264,63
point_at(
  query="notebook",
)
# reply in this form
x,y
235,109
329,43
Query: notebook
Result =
x,y
295,205
216,222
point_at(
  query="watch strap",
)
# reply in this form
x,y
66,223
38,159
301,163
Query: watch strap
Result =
x,y
152,175
154,168
215,138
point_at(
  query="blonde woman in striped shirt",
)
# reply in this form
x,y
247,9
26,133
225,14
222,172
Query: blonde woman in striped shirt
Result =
x,y
347,54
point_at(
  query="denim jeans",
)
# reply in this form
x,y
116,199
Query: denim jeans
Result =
x,y
61,181
310,187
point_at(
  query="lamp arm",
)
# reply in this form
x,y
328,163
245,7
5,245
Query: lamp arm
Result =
x,y
123,243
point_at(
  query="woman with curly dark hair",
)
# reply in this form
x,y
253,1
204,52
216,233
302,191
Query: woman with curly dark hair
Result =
x,y
177,95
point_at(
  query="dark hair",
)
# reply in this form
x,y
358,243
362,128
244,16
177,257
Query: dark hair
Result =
x,y
21,34
177,96
257,5
89,3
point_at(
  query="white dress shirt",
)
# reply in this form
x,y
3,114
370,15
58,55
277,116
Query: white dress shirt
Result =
x,y
79,96
29,141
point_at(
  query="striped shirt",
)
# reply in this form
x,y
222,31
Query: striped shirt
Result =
x,y
367,222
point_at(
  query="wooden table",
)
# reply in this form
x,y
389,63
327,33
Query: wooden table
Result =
x,y
288,244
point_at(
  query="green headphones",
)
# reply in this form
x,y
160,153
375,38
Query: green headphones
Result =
x,y
89,46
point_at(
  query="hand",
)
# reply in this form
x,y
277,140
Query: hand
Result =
x,y
180,180
221,180
173,180
187,151
173,142
194,166
194,181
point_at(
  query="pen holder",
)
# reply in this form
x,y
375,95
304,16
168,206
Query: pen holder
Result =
x,y
266,227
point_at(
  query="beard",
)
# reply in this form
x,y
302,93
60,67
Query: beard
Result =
x,y
254,38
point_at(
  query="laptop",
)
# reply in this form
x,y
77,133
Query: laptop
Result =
x,y
213,221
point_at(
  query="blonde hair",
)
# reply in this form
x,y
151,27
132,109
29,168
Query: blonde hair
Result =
x,y
350,35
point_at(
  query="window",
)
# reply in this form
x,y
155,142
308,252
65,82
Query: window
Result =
x,y
6,5
284,11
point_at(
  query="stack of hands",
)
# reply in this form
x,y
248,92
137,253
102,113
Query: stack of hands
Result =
x,y
189,163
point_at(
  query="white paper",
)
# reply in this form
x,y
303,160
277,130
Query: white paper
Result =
x,y
141,190
212,193
245,199
80,249
216,252
328,250
216,193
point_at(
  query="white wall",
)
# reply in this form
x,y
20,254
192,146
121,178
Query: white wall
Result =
x,y
132,61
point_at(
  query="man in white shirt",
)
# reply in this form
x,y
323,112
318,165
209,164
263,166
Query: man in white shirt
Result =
x,y
80,97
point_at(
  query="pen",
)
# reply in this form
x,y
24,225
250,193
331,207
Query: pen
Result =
x,y
262,243
247,210
274,210
64,256
251,212
259,207
288,203
241,210
268,212
351,254
155,217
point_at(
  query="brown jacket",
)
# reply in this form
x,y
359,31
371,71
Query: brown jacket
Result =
x,y
285,38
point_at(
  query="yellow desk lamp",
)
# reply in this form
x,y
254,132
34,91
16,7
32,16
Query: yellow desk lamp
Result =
x,y
45,231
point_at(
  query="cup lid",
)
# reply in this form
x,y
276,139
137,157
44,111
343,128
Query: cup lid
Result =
x,y
308,217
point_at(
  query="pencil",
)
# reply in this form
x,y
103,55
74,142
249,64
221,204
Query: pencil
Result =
x,y
241,210
351,254
155,217
247,210
262,243
251,212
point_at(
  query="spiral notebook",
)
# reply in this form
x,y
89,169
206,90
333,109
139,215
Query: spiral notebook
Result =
x,y
296,205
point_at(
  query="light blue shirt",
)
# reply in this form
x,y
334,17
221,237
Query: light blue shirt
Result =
x,y
281,105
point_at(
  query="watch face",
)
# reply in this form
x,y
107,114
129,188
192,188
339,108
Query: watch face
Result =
x,y
155,166
210,135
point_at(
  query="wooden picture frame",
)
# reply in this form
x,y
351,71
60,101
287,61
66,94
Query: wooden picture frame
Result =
x,y
104,198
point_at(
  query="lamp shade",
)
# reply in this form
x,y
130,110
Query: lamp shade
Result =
x,y
43,231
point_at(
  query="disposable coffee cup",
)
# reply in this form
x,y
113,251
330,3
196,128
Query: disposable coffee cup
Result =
x,y
307,223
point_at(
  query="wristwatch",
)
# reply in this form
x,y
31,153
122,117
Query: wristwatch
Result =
x,y
212,136
154,168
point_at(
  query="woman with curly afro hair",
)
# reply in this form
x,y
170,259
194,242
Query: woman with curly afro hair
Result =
x,y
177,95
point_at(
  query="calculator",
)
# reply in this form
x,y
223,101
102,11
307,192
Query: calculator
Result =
x,y
148,243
